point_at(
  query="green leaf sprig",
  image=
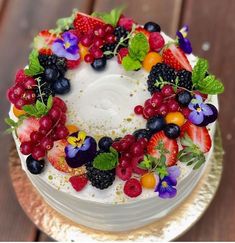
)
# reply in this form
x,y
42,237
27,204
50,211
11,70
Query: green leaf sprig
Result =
x,y
157,165
106,161
39,109
138,49
191,154
112,17
34,65
14,124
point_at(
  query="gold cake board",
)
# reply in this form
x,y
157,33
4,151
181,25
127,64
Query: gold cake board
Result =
x,y
168,228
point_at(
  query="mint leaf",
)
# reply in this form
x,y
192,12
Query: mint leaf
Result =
x,y
65,23
49,102
210,85
34,66
199,70
40,106
106,161
138,47
112,17
10,122
30,109
162,171
130,64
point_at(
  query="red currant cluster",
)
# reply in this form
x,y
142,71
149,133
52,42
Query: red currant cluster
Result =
x,y
96,39
132,152
22,93
51,128
161,103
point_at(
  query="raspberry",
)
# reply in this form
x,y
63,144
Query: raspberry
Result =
x,y
124,173
78,182
132,188
100,179
73,64
20,76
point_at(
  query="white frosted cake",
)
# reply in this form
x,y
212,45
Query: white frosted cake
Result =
x,y
113,121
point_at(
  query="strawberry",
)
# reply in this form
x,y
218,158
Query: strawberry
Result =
x,y
78,182
169,144
28,126
199,135
43,42
85,23
140,29
176,58
56,156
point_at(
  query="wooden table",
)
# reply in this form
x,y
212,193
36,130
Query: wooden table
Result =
x,y
212,32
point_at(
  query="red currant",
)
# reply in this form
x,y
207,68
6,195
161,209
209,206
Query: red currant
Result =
x,y
26,148
108,29
29,96
35,136
86,40
89,58
46,123
63,119
60,103
148,111
55,113
29,83
138,110
38,152
167,90
98,42
148,102
99,31
18,90
46,143
124,162
173,105
110,38
62,132
156,99
163,109
186,111
136,149
20,103
96,52
12,97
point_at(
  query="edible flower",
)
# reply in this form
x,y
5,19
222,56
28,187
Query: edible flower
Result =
x,y
198,110
77,143
184,42
66,46
166,186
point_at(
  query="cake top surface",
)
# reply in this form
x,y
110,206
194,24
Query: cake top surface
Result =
x,y
109,110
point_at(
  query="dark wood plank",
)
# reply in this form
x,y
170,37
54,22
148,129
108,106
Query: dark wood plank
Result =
x,y
19,22
166,13
212,25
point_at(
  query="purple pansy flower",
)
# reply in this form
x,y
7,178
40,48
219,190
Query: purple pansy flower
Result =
x,y
199,110
166,186
76,144
66,46
184,42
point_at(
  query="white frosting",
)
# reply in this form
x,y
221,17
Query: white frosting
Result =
x,y
102,103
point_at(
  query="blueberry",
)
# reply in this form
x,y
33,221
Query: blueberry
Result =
x,y
152,27
142,133
184,98
61,86
156,123
51,74
34,166
105,143
172,131
99,64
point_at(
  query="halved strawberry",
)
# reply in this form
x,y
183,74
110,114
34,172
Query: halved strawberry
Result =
x,y
28,126
85,23
169,144
199,135
56,156
78,182
176,58
43,41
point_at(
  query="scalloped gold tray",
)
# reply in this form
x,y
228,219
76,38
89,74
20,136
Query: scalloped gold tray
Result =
x,y
168,228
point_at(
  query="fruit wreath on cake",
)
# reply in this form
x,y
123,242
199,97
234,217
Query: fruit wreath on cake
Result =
x,y
79,136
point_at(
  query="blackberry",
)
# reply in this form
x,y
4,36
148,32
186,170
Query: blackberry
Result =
x,y
101,179
160,70
109,47
120,32
53,61
185,79
44,92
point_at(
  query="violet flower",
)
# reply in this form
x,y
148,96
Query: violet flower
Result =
x,y
184,42
66,46
79,143
199,110
166,186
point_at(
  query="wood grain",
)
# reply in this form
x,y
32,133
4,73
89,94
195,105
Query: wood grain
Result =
x,y
19,22
212,26
147,10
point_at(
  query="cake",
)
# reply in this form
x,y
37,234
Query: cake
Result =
x,y
113,121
